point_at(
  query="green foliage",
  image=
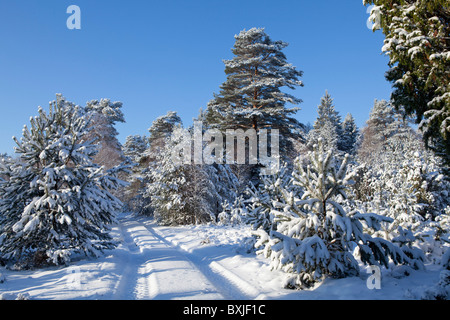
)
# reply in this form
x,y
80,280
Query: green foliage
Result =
x,y
251,97
417,43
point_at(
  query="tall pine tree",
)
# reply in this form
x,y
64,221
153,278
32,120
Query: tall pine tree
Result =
x,y
251,97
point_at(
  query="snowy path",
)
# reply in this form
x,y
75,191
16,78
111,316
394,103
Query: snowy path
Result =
x,y
189,262
156,270
226,282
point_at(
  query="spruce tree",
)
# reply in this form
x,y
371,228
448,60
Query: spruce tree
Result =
x,y
261,198
350,134
401,180
382,124
56,202
225,186
328,126
327,112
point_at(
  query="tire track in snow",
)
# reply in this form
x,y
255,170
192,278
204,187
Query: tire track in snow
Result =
x,y
155,270
133,283
230,285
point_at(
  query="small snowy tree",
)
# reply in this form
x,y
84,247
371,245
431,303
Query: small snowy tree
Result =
x,y
381,125
260,199
56,202
315,235
179,192
327,133
224,186
233,214
401,179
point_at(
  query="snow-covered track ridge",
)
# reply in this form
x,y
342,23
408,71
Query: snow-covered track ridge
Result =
x,y
230,285
156,270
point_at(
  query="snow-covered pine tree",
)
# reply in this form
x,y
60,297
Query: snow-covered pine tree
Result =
x,y
160,130
135,146
327,112
315,235
150,163
350,134
104,114
225,186
179,192
406,240
233,214
56,202
261,198
251,97
136,149
401,179
380,126
326,132
328,126
417,43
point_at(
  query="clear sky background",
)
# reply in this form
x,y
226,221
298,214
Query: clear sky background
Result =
x,y
157,56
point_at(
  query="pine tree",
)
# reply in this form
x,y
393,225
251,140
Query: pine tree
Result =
x,y
350,134
315,234
179,192
136,149
328,126
261,198
104,115
251,97
402,180
327,112
225,186
417,43
383,123
327,133
135,146
160,130
233,214
56,202
150,161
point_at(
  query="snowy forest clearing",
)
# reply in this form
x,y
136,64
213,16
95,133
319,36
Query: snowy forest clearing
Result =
x,y
205,262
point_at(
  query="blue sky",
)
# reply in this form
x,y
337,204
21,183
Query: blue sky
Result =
x,y
157,56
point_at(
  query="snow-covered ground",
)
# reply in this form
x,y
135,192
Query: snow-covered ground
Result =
x,y
191,262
